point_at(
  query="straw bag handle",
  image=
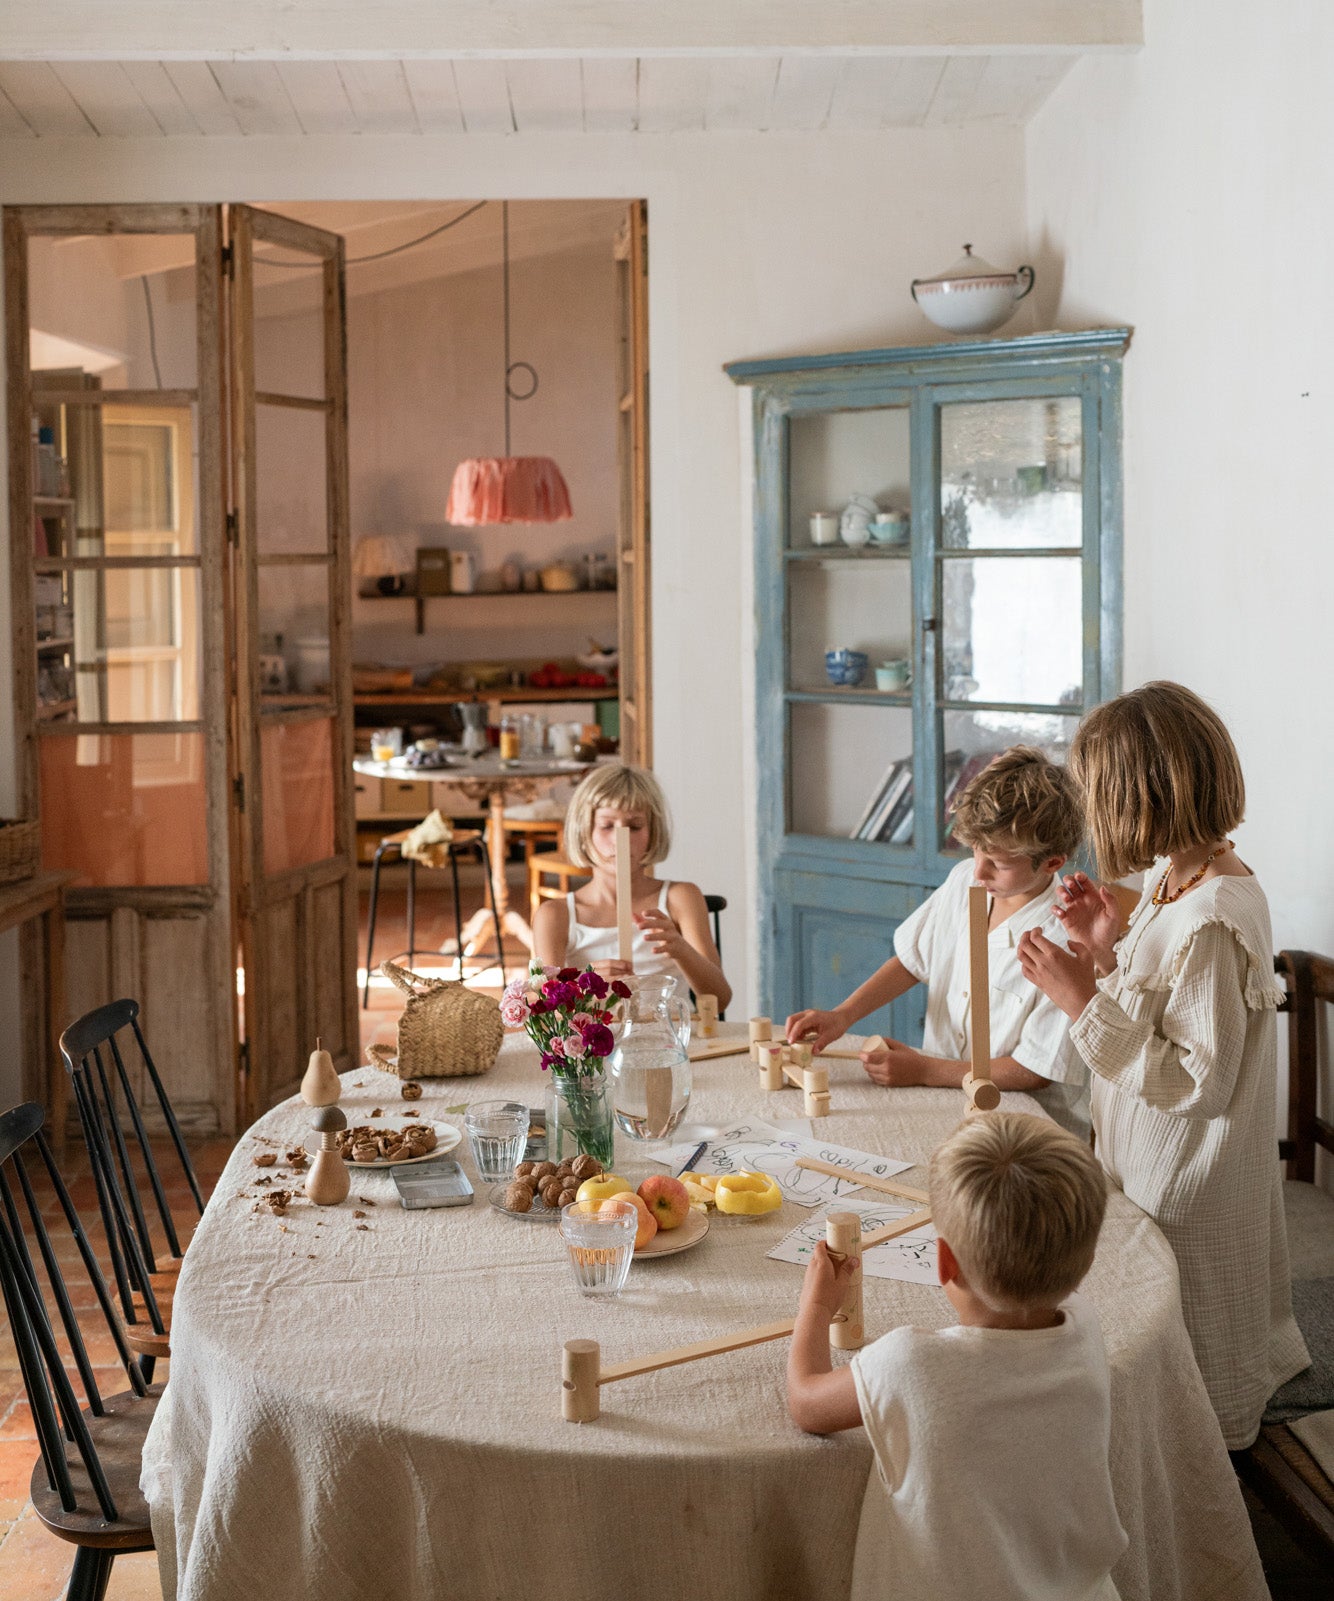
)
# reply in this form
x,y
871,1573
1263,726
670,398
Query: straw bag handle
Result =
x,y
412,984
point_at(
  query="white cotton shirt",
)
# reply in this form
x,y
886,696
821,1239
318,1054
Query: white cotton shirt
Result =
x,y
991,1479
1182,1042
932,943
585,944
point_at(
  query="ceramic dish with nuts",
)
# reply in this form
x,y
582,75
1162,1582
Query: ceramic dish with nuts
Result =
x,y
391,1141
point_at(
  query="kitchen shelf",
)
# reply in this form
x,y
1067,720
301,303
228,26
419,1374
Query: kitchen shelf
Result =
x,y
489,594
824,553
455,697
56,642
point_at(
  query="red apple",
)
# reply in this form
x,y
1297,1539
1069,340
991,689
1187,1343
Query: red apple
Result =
x,y
667,1198
648,1224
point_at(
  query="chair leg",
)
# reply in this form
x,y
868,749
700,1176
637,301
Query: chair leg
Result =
x,y
458,909
370,924
412,908
90,1574
491,895
146,1366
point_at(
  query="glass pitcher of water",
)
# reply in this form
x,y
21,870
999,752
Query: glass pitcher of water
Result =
x,y
650,1067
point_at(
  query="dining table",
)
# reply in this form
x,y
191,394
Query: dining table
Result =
x,y
487,781
365,1401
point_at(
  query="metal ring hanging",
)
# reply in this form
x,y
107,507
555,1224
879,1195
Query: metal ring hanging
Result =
x,y
514,367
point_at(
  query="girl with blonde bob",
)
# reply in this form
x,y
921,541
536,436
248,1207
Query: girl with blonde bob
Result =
x,y
1176,1023
672,932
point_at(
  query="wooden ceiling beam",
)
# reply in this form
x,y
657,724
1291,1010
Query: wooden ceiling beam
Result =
x,y
423,30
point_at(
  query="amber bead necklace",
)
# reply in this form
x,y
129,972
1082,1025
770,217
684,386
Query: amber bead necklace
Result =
x,y
1161,898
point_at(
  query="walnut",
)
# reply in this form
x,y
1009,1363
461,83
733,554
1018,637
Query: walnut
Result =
x,y
297,1157
410,1090
544,1170
518,1198
524,1169
366,1151
551,1192
568,1197
279,1200
585,1167
565,1170
265,1159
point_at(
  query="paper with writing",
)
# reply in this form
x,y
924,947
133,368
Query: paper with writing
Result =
x,y
911,1257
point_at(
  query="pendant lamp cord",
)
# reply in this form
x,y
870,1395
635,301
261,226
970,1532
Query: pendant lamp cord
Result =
x,y
505,275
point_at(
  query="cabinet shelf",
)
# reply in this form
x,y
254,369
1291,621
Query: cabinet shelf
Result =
x,y
823,553
861,697
455,697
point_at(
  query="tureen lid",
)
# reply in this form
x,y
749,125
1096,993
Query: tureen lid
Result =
x,y
969,266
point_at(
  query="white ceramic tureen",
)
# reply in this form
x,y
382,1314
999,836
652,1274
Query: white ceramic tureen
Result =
x,y
972,297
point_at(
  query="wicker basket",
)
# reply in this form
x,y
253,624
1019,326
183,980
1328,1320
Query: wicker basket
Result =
x,y
20,849
446,1030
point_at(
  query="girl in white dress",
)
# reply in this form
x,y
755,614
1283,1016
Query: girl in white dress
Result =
x,y
672,933
1176,1022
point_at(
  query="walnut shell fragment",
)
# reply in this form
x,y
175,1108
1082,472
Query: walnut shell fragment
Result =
x,y
279,1201
410,1090
266,1159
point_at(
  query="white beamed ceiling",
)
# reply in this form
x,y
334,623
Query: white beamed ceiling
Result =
x,y
562,94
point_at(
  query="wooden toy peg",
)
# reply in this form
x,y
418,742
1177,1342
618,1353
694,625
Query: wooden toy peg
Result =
x,y
815,1088
625,906
982,1094
761,1029
581,1363
801,1055
708,1015
321,1086
771,1064
843,1235
327,1183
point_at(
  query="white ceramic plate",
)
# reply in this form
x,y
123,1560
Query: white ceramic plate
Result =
x,y
667,1242
446,1138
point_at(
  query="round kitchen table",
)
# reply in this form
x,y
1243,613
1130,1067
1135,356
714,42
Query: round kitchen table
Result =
x,y
365,1401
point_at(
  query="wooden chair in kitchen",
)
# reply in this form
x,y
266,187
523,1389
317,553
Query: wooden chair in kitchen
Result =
x,y
1279,1467
85,1483
463,839
104,1052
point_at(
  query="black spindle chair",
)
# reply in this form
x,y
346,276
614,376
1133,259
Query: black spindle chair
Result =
x,y
145,1276
85,1484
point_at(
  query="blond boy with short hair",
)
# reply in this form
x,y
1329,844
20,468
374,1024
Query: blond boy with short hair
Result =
x,y
1023,818
991,1437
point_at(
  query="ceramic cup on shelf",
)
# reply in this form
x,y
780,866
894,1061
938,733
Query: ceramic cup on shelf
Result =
x,y
824,528
890,528
845,668
893,675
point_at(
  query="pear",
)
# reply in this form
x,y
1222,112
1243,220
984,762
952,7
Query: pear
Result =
x,y
321,1085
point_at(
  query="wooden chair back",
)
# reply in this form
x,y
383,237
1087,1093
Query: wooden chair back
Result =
x,y
69,1458
1309,981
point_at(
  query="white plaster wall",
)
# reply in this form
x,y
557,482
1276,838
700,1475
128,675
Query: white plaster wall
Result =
x,y
759,245
1186,191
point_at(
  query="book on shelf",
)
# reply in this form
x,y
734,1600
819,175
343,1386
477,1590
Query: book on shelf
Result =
x,y
873,801
965,771
897,783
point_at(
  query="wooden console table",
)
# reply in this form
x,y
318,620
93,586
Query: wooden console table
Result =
x,y
44,1076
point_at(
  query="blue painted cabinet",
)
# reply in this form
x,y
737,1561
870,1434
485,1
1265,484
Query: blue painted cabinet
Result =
x,y
947,518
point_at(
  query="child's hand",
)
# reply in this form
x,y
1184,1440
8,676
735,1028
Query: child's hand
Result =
x,y
1066,978
826,1027
894,1065
826,1280
663,936
1090,913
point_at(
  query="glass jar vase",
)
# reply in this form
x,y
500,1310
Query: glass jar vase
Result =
x,y
579,1118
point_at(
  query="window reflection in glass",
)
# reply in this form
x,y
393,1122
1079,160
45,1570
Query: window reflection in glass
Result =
x,y
1011,474
1013,630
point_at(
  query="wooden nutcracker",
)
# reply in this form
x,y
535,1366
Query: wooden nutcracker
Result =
x,y
707,1006
327,1182
843,1236
321,1086
981,1092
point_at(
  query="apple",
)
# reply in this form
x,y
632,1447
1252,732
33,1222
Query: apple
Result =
x,y
602,1187
648,1224
667,1198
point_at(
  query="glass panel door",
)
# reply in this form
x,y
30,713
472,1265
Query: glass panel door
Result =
x,y
293,591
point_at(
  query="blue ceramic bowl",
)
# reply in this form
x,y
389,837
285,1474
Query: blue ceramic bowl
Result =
x,y
845,667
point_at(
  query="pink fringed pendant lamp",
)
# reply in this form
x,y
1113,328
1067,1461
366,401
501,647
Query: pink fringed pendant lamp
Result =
x,y
508,489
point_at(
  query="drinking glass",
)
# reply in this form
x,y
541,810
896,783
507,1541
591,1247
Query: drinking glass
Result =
x,y
497,1133
600,1237
386,744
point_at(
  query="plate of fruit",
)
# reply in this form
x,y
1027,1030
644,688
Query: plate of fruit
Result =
x,y
668,1222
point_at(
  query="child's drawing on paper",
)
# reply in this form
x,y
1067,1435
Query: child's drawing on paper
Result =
x,y
911,1257
758,1148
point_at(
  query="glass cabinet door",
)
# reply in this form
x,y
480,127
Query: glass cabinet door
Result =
x,y
1015,558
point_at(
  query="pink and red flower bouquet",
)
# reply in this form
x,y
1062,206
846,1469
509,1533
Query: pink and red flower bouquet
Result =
x,y
565,1013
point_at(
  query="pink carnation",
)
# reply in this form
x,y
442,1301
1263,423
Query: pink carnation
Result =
x,y
582,1019
573,1045
556,1046
514,1010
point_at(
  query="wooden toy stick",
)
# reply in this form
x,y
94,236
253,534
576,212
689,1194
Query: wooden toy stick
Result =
x,y
771,1064
760,1030
813,1164
692,1353
891,1231
625,906
707,1053
580,1365
982,1094
843,1235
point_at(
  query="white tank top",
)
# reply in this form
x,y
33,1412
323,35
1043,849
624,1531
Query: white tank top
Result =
x,y
585,945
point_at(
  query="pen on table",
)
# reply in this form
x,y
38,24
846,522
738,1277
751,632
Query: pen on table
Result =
x,y
694,1157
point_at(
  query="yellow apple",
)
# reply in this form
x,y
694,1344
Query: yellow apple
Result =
x,y
602,1188
648,1224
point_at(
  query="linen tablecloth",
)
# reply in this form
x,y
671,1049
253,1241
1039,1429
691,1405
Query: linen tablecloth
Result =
x,y
371,1407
